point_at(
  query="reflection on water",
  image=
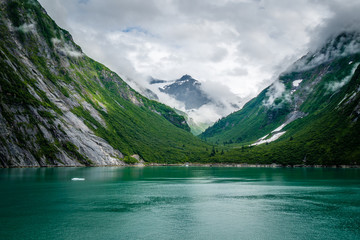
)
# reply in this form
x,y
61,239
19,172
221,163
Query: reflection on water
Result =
x,y
179,203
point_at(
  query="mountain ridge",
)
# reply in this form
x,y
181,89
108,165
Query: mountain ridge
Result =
x,y
187,90
59,107
302,113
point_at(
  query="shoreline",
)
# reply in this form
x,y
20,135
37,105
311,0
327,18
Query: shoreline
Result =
x,y
225,165
247,165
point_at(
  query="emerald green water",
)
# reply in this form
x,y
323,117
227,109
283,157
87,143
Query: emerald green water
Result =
x,y
179,203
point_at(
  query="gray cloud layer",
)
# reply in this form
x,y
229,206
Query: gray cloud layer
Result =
x,y
241,44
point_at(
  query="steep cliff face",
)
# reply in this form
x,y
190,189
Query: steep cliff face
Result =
x,y
59,107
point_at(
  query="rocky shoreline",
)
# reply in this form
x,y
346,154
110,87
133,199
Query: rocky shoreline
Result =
x,y
245,165
237,165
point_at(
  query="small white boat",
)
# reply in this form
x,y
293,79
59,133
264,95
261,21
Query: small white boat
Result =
x,y
78,179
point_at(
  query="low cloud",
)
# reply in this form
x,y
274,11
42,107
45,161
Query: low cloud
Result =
x,y
344,17
223,101
27,27
65,48
275,91
219,93
238,71
334,86
343,20
238,44
348,43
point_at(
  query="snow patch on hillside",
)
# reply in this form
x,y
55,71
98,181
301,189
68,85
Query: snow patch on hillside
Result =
x,y
296,83
271,139
279,128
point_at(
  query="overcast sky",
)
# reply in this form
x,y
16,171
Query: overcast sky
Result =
x,y
241,44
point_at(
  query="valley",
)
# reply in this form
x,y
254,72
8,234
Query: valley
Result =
x,y
59,107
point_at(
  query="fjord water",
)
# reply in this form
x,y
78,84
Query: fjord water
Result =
x,y
179,203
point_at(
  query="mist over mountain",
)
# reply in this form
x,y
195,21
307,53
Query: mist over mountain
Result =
x,y
187,90
309,115
59,107
202,103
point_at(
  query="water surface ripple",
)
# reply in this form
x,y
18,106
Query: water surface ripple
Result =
x,y
179,203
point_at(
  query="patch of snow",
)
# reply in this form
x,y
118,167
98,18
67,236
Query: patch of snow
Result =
x,y
271,139
343,100
296,83
279,128
352,96
347,98
181,82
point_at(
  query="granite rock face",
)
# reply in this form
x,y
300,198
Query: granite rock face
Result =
x,y
37,125
59,107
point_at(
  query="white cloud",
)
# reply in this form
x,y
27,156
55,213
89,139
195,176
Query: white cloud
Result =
x,y
334,86
27,27
206,39
240,44
276,90
65,48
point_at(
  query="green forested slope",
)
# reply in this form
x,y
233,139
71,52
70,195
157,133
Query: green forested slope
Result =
x,y
53,98
321,114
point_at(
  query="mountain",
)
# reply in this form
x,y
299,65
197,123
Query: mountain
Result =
x,y
187,90
59,107
201,103
310,115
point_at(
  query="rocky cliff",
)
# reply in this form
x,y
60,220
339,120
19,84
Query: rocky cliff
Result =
x,y
58,107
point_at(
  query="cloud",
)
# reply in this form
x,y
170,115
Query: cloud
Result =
x,y
238,71
206,39
334,86
342,21
220,93
240,44
276,90
27,27
344,17
65,48
222,103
